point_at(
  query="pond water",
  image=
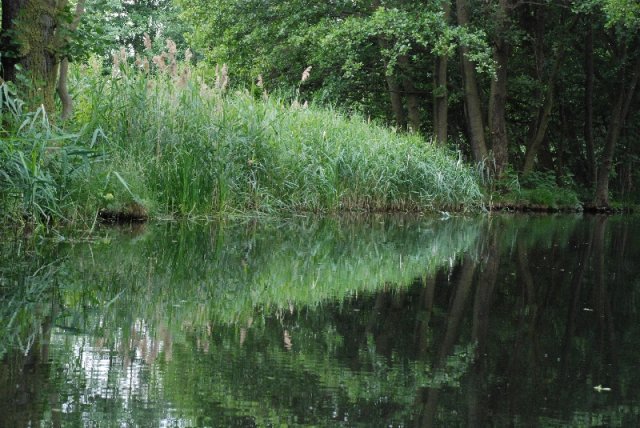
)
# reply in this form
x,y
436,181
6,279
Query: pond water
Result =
x,y
376,321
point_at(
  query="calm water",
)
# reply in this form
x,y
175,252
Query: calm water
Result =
x,y
383,321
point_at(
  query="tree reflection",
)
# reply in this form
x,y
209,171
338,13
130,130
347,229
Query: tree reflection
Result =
x,y
506,320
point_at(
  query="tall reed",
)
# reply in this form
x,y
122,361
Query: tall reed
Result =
x,y
40,163
188,146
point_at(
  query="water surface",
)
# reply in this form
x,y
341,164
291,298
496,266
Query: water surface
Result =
x,y
377,321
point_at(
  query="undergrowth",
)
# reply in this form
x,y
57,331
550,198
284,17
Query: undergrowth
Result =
x,y
40,164
188,146
157,138
536,189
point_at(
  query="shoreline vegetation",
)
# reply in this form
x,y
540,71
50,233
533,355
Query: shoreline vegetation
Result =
x,y
158,141
155,139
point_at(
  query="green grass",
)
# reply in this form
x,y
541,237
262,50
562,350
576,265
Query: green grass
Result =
x,y
197,150
536,190
40,164
170,145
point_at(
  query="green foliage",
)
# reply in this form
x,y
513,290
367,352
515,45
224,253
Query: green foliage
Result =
x,y
351,45
170,144
107,25
536,189
40,164
360,50
623,12
192,149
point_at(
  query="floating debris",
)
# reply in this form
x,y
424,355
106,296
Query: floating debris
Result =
x,y
600,388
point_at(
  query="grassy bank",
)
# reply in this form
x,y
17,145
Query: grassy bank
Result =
x,y
536,191
165,143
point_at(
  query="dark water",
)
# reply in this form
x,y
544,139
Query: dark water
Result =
x,y
383,321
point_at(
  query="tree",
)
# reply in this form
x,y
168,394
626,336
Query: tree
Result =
x,y
498,94
623,21
440,92
32,38
369,56
472,99
62,89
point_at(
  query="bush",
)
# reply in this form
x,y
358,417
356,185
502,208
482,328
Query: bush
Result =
x,y
538,188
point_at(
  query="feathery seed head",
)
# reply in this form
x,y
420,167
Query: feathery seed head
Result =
x,y
305,74
222,77
171,47
158,60
147,42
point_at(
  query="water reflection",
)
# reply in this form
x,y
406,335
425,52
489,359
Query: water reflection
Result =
x,y
520,321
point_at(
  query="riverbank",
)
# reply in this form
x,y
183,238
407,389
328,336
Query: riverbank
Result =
x,y
143,146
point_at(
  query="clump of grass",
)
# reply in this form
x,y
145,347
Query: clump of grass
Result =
x,y
185,144
39,163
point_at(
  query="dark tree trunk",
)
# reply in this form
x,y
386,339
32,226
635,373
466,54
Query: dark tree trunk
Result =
x,y
396,102
618,114
9,46
588,104
544,117
471,93
497,107
440,94
31,40
413,104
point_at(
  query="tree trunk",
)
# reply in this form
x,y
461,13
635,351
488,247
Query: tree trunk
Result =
x,y
63,91
471,93
10,47
396,102
29,31
393,87
533,146
413,105
498,99
544,116
588,104
440,94
618,115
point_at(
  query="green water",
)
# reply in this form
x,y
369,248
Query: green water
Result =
x,y
377,321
